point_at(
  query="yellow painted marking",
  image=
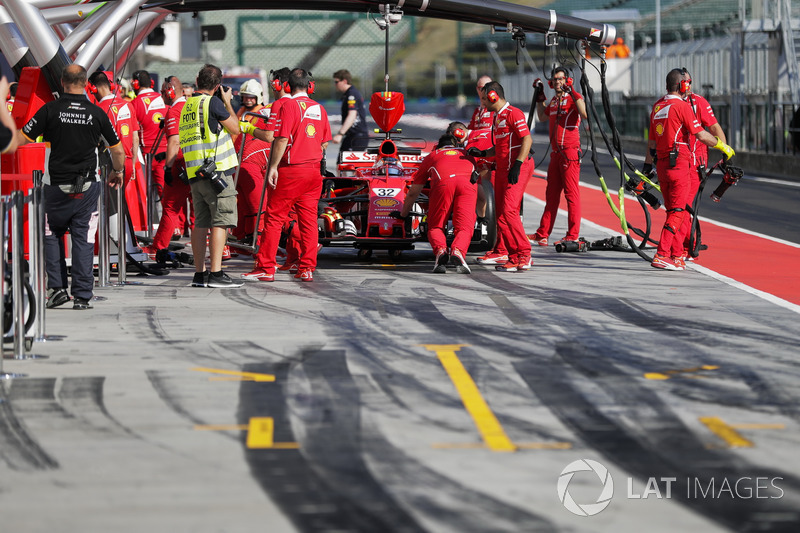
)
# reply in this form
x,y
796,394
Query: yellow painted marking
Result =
x,y
487,424
521,446
727,433
758,426
669,373
242,376
220,427
260,432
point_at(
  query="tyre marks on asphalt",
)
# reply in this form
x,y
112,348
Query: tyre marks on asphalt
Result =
x,y
658,445
18,448
328,486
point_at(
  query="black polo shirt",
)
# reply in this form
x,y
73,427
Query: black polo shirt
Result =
x,y
74,127
352,99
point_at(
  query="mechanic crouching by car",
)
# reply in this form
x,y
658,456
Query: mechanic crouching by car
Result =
x,y
301,137
454,190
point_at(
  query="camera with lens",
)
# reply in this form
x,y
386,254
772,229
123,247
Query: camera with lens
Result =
x,y
218,92
209,172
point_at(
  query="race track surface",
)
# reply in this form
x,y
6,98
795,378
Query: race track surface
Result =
x,y
385,398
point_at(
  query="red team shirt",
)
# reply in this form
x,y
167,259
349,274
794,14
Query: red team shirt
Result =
x,y
669,120
123,119
448,159
273,124
305,123
564,122
172,127
705,115
481,119
508,130
149,108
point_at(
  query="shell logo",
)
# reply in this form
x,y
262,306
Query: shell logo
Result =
x,y
386,202
311,131
451,152
157,118
660,129
125,130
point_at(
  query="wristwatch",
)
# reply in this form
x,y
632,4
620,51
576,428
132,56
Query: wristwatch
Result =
x,y
118,171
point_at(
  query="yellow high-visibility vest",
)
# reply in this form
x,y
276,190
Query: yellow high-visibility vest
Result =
x,y
199,143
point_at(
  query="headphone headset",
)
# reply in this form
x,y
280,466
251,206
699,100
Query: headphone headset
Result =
x,y
169,92
569,81
311,84
492,96
92,88
276,83
135,84
685,85
460,134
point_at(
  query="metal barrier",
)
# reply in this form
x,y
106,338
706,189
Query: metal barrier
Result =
x,y
4,211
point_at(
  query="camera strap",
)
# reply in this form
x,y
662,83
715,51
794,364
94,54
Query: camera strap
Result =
x,y
203,126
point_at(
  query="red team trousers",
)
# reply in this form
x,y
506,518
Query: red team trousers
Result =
x,y
508,199
299,186
459,195
563,174
675,188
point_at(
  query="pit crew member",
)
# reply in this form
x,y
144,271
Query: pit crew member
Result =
x,y
294,175
564,113
454,190
514,168
672,124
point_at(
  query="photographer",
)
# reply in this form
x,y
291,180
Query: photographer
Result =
x,y
206,126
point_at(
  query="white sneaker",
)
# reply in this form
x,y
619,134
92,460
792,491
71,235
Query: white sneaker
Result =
x,y
441,262
457,258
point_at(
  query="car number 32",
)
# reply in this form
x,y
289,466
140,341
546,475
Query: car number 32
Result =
x,y
386,193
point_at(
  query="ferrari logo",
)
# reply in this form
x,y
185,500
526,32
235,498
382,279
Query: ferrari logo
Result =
x,y
302,105
146,101
311,131
115,109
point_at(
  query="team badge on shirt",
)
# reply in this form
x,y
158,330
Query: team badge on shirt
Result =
x,y
125,130
660,129
662,113
311,131
157,117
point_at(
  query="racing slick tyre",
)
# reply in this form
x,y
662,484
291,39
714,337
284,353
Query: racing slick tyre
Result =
x,y
485,245
364,254
395,253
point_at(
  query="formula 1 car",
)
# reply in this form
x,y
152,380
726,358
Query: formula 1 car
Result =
x,y
356,205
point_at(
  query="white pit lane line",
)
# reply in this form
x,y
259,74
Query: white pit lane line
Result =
x,y
703,270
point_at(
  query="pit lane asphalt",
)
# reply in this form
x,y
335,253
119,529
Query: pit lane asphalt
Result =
x,y
157,411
